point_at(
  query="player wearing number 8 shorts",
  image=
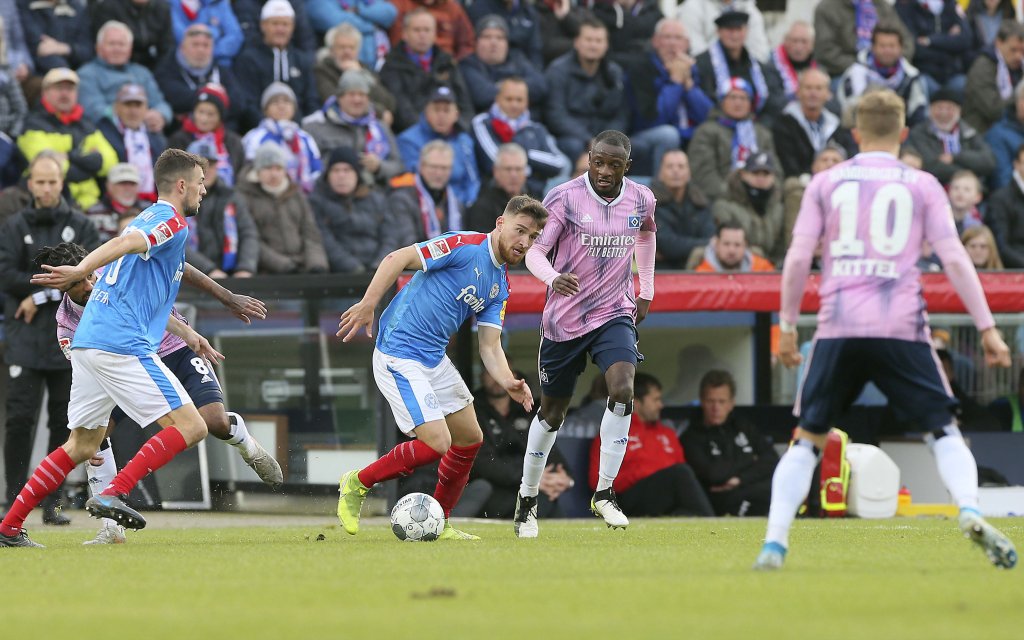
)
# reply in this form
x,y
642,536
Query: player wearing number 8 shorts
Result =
x,y
871,216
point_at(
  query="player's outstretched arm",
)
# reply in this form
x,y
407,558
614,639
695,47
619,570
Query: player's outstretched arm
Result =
x,y
111,250
496,364
195,342
360,314
243,307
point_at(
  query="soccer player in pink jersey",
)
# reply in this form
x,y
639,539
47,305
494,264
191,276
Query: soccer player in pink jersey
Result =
x,y
585,255
871,214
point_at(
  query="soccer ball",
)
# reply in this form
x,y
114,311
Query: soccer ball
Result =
x,y
417,518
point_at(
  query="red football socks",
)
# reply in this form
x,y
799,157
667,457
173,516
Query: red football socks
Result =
x,y
45,479
453,474
400,461
158,451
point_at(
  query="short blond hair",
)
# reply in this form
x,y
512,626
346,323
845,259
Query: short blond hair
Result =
x,y
880,115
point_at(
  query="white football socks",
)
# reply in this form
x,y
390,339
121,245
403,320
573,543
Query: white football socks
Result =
x,y
240,437
538,445
957,467
790,484
100,476
614,437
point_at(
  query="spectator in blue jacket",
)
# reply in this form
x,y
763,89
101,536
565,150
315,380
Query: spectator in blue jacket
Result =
x,y
1005,138
60,31
102,78
492,61
523,25
275,58
943,41
585,91
508,121
440,121
216,14
372,18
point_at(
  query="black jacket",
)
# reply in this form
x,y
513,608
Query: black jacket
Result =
x,y
482,79
357,230
736,448
946,54
69,25
412,86
150,23
682,225
254,68
580,106
793,146
180,87
34,345
1006,219
210,232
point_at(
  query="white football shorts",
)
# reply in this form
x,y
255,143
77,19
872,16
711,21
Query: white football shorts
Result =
x,y
141,386
419,394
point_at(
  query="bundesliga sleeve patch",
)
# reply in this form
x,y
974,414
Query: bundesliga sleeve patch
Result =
x,y
164,231
439,248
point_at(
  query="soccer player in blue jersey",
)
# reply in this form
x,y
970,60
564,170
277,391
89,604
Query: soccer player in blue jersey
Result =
x,y
458,274
113,354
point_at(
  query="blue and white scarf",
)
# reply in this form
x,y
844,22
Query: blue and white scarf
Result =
x,y
744,139
428,210
722,75
1003,80
867,18
376,141
950,140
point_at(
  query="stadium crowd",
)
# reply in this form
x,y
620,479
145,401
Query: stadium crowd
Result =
x,y
415,117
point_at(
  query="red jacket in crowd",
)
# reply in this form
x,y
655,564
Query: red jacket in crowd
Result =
x,y
652,447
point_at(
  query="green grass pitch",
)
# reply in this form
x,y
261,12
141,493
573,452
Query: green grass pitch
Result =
x,y
895,579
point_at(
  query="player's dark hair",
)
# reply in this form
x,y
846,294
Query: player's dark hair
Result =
x,y
643,384
527,206
886,28
65,254
730,225
174,165
718,378
614,138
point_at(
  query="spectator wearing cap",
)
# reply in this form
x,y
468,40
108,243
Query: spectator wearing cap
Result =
x,y
454,30
509,121
249,16
794,56
630,26
843,29
121,200
148,20
349,119
275,58
279,127
219,17
126,132
440,121
683,212
881,65
805,126
427,201
728,252
508,178
666,103
417,65
993,75
112,68
341,53
1004,138
290,240
585,91
727,139
61,31
522,26
947,144
355,222
753,200
223,241
370,18
942,41
192,65
60,125
700,17
728,57
493,60
207,123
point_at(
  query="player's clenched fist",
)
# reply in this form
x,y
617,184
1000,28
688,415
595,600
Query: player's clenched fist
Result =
x,y
356,317
567,284
997,354
789,355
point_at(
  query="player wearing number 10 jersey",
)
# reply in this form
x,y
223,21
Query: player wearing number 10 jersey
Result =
x,y
871,216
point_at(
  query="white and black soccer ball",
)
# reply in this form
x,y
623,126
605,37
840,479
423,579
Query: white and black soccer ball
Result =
x,y
417,517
